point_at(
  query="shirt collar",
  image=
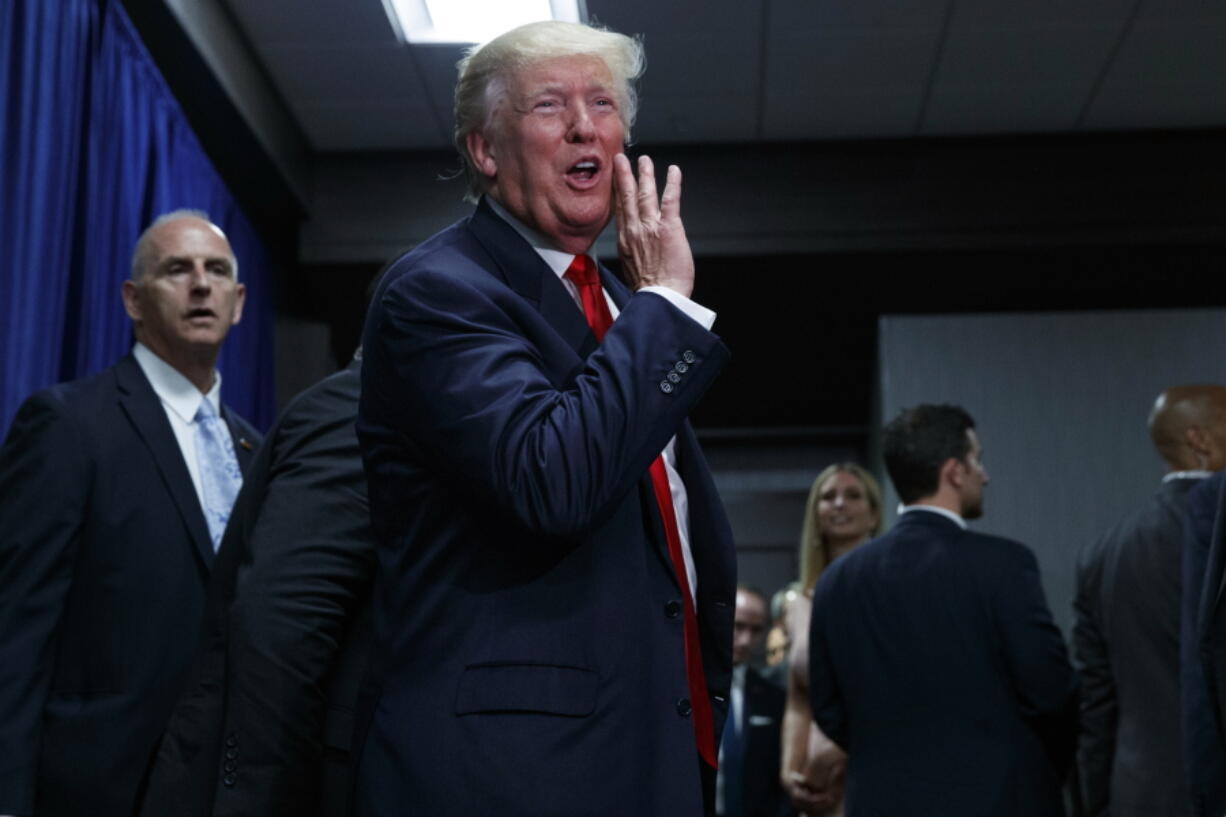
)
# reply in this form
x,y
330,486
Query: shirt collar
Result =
x,y
1194,474
556,259
950,515
172,388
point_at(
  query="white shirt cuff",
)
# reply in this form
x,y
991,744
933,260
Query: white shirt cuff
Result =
x,y
696,311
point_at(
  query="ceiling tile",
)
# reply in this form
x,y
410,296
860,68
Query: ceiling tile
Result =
x,y
1166,75
1021,78
371,126
313,22
343,73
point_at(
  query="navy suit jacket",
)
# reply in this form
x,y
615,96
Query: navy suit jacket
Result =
x,y
935,664
528,632
104,555
1201,642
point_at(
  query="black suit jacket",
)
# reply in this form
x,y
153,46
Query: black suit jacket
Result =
x,y
1127,644
104,557
761,718
529,642
935,664
266,726
1201,660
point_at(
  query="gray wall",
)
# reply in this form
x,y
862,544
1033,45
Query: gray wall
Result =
x,y
1060,401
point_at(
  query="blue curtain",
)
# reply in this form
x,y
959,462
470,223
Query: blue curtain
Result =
x,y
93,146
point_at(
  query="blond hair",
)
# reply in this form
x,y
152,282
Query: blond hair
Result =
x,y
814,550
485,69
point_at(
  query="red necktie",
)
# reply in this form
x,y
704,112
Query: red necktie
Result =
x,y
582,273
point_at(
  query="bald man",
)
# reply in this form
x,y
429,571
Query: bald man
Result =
x,y
1127,635
114,491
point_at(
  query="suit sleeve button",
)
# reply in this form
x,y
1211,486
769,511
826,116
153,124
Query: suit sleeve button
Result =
x,y
672,608
673,377
666,387
231,754
688,356
231,740
683,707
230,766
228,780
681,367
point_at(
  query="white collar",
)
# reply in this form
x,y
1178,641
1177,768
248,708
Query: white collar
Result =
x,y
948,514
1193,474
557,260
172,388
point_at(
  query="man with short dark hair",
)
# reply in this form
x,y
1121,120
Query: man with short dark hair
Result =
x,y
554,598
114,492
748,783
934,661
1127,635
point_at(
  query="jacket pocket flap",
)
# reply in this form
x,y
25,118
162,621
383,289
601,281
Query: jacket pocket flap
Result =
x,y
543,688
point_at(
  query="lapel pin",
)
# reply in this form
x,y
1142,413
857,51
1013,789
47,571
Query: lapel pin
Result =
x,y
245,444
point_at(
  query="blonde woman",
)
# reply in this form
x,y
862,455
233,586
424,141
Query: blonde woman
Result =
x,y
843,511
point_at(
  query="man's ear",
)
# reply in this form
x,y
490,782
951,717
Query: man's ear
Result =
x,y
481,151
131,300
952,472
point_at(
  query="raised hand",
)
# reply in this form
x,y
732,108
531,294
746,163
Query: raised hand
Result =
x,y
650,236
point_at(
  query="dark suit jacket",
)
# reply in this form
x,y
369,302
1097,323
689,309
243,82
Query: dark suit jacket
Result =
x,y
104,556
266,725
761,718
935,664
1127,643
527,618
1204,747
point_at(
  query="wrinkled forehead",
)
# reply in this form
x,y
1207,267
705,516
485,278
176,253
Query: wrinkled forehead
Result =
x,y
582,72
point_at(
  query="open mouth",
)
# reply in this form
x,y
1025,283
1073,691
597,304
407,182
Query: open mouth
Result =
x,y
583,171
193,314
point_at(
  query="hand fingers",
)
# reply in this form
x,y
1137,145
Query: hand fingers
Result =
x,y
649,203
670,204
626,193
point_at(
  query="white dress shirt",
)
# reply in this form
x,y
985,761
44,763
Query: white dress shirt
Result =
x,y
180,400
559,262
948,514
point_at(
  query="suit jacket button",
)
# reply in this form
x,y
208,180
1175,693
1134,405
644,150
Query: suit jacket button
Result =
x,y
672,608
683,707
666,387
228,780
688,356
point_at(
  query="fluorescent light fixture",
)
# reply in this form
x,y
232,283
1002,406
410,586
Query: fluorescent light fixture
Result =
x,y
473,21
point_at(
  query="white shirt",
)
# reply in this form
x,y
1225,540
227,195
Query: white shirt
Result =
x,y
180,400
950,515
559,262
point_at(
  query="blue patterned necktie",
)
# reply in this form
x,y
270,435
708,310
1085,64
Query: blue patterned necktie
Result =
x,y
219,475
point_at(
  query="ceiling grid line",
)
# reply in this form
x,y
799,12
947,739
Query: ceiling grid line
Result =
x,y
1113,53
937,56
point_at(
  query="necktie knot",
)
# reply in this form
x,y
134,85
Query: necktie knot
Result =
x,y
583,274
582,271
205,412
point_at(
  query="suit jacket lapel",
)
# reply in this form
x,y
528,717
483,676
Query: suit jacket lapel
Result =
x,y
244,446
526,273
144,410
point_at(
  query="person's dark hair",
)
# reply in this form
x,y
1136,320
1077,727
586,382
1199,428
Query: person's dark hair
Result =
x,y
917,443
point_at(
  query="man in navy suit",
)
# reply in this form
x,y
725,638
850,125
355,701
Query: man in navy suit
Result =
x,y
554,596
934,660
111,504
